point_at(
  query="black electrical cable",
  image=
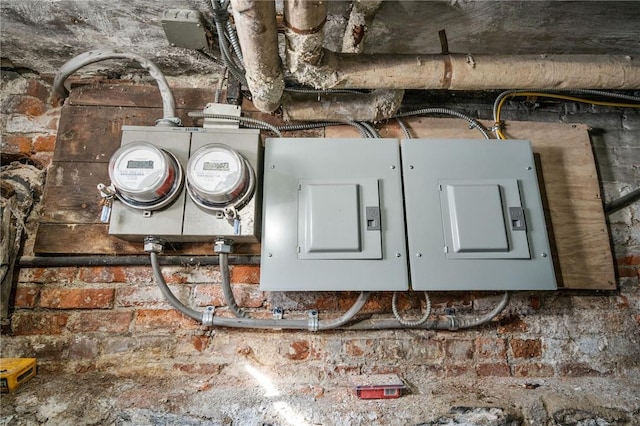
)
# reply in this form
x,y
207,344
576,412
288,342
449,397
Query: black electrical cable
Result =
x,y
132,260
622,202
220,16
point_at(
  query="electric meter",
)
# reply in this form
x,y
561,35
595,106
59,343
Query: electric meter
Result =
x,y
145,177
218,177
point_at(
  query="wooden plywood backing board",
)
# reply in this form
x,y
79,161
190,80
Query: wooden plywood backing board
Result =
x,y
569,182
88,134
90,131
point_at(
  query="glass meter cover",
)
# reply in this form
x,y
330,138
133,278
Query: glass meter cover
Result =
x,y
144,175
219,177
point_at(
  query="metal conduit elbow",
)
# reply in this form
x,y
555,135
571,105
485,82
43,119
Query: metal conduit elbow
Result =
x,y
74,64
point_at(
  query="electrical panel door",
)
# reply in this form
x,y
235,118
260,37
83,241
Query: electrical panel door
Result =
x,y
475,219
333,216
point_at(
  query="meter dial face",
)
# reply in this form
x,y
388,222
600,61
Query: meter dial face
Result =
x,y
144,175
217,176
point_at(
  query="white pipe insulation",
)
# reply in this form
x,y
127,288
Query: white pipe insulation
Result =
x,y
258,36
472,72
310,64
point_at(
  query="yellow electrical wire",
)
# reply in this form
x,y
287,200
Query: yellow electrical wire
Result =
x,y
554,96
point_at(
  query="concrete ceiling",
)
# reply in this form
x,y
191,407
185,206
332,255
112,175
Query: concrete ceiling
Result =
x,y
43,34
507,27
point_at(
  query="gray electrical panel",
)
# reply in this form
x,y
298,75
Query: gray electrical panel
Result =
x,y
474,214
333,216
182,220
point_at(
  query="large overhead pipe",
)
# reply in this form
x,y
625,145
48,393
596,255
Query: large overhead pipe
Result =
x,y
312,65
380,104
258,36
473,72
304,21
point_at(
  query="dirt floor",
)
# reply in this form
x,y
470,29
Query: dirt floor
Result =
x,y
251,396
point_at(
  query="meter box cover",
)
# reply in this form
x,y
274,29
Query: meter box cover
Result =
x,y
333,216
186,184
475,219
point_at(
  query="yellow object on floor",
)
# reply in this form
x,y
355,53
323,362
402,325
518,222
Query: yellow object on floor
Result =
x,y
15,371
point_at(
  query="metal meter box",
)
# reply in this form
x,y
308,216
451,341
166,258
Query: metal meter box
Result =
x,y
199,221
474,216
333,216
189,216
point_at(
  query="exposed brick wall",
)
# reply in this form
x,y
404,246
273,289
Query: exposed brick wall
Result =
x,y
29,118
114,310
84,318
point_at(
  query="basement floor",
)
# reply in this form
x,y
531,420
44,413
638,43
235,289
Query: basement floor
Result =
x,y
249,396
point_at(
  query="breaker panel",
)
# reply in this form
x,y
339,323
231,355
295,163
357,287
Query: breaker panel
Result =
x,y
475,219
186,184
333,216
337,213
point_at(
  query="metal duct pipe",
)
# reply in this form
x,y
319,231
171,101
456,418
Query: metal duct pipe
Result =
x,y
305,16
377,105
471,72
312,65
304,21
258,35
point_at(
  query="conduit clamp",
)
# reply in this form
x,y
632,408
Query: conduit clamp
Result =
x,y
277,313
454,324
314,323
207,315
169,122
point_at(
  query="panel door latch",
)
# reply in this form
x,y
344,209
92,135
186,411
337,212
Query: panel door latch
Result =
x,y
516,215
373,218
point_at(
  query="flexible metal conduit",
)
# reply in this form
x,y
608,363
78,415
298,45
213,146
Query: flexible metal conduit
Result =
x,y
168,294
220,19
226,288
473,123
74,64
133,260
244,120
566,91
451,323
207,318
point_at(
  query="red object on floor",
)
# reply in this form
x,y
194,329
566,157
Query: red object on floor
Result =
x,y
382,392
378,386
